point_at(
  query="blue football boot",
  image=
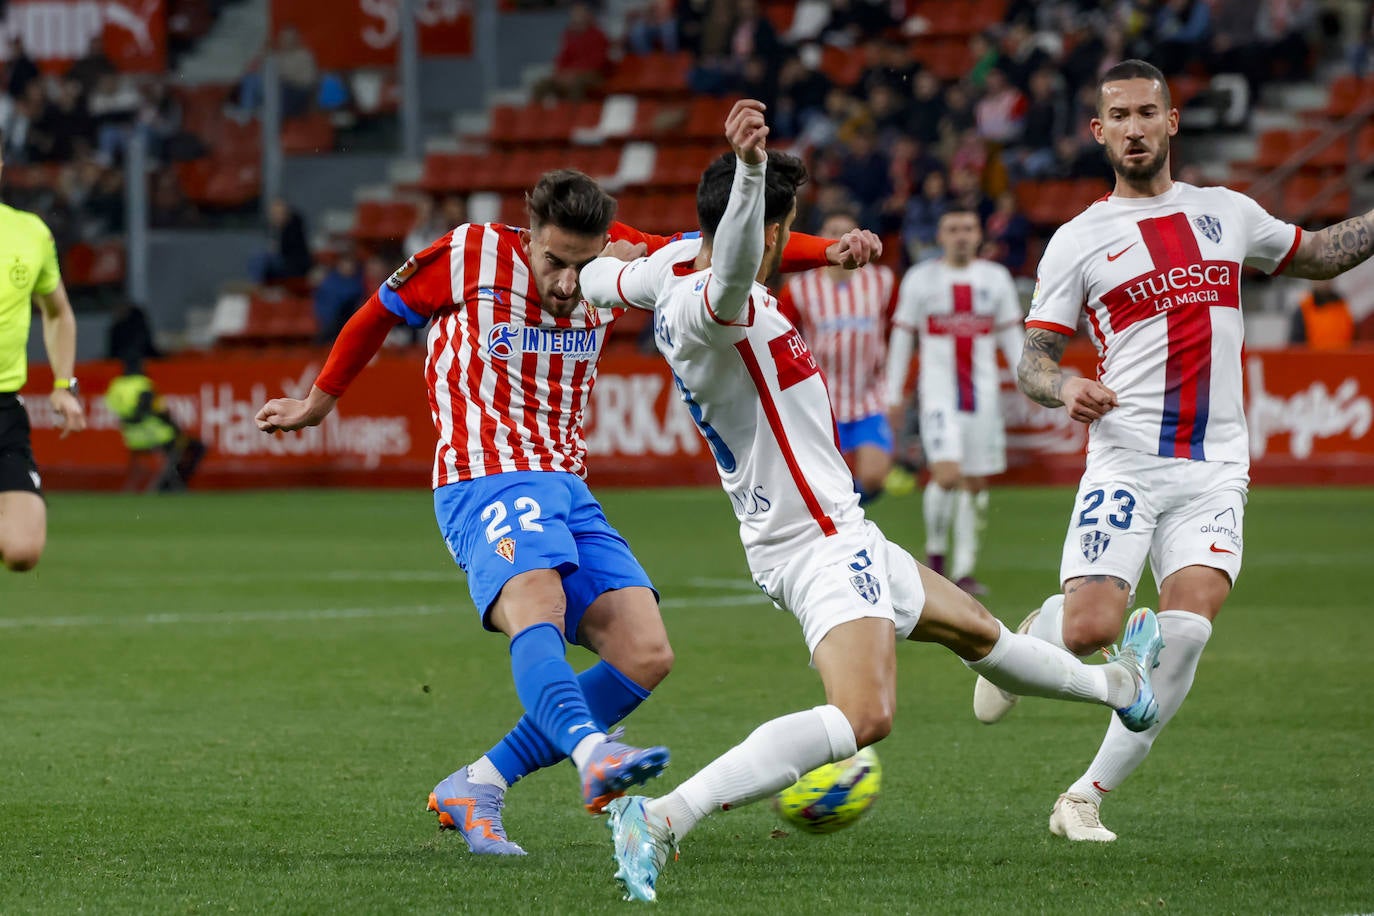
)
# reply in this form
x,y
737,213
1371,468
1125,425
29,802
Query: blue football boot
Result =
x,y
642,846
1140,645
474,810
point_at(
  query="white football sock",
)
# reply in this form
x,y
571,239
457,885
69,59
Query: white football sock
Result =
x,y
484,771
583,751
1185,636
773,757
1049,626
968,525
938,505
1030,667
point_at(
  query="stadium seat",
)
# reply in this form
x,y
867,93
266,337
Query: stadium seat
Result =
x,y
844,66
706,119
662,74
1300,193
307,134
266,317
383,220
450,173
93,264
1347,94
947,58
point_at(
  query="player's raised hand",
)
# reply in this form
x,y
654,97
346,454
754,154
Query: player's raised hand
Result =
x,y
854,249
747,131
624,250
1086,399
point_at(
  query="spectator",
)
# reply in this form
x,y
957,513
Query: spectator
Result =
x,y
652,27
1001,111
22,69
1021,55
927,108
863,173
427,227
970,154
1180,33
298,73
690,24
802,91
338,295
583,61
289,256
1047,119
852,22
114,103
1283,26
983,50
885,107
19,127
966,193
167,206
453,212
64,125
753,35
88,69
923,216
891,64
1322,320
1008,232
130,336
958,116
758,80
909,164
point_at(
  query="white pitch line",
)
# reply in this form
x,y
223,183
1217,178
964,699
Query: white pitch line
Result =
x,y
308,614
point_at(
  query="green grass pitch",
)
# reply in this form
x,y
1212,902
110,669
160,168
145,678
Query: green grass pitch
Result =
x,y
239,702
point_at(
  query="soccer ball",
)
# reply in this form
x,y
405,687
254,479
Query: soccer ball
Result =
x,y
834,796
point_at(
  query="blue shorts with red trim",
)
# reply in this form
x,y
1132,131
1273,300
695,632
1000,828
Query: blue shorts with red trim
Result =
x,y
502,525
870,430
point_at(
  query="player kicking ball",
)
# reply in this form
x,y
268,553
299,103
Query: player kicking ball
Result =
x,y
759,400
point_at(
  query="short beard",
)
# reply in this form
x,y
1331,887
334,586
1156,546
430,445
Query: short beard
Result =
x,y
1143,172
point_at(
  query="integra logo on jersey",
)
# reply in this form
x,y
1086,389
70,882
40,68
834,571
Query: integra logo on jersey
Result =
x,y
503,341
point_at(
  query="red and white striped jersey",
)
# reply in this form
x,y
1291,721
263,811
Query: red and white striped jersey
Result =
x,y
1159,280
960,315
845,324
508,382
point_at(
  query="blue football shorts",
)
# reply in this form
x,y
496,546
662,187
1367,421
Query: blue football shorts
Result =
x,y
499,526
870,430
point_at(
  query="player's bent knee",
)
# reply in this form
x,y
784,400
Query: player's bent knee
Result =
x,y
650,665
870,718
1086,634
22,557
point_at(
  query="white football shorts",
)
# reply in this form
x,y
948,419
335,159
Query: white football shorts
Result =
x,y
1174,511
976,441
853,574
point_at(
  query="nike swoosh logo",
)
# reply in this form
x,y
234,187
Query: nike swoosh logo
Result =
x,y
1113,257
1099,787
1216,549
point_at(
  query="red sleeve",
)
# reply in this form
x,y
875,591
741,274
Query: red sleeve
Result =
x,y
620,232
357,343
787,305
804,252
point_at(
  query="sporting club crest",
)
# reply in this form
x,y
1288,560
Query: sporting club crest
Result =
x,y
1209,226
505,549
867,586
1094,544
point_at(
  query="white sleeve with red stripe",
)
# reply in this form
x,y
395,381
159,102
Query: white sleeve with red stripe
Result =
x,y
1008,322
611,282
1059,294
1270,243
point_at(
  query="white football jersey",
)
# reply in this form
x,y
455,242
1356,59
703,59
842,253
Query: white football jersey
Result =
x,y
959,314
1159,281
754,389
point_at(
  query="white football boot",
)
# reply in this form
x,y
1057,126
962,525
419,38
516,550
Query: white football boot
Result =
x,y
1076,818
990,702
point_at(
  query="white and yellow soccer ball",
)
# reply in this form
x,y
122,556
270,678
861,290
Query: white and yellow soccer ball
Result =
x,y
833,796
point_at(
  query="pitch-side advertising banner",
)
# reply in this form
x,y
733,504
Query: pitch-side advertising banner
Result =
x,y
1310,422
132,33
348,34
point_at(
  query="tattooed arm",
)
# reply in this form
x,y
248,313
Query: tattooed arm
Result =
x,y
1044,382
1335,249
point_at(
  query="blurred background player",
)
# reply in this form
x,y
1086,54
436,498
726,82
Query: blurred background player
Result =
x,y
1156,265
150,430
752,386
964,309
843,315
32,276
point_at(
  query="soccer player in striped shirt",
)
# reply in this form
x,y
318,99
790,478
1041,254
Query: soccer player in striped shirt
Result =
x,y
1155,268
758,398
511,360
844,316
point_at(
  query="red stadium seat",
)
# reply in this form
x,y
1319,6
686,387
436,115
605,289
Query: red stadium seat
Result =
x,y
844,66
659,74
308,134
706,119
383,220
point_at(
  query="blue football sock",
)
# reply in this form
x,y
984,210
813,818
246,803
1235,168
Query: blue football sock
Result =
x,y
611,696
547,687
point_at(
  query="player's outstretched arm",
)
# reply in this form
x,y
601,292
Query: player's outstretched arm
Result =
x,y
737,249
620,276
358,342
1334,250
1043,380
